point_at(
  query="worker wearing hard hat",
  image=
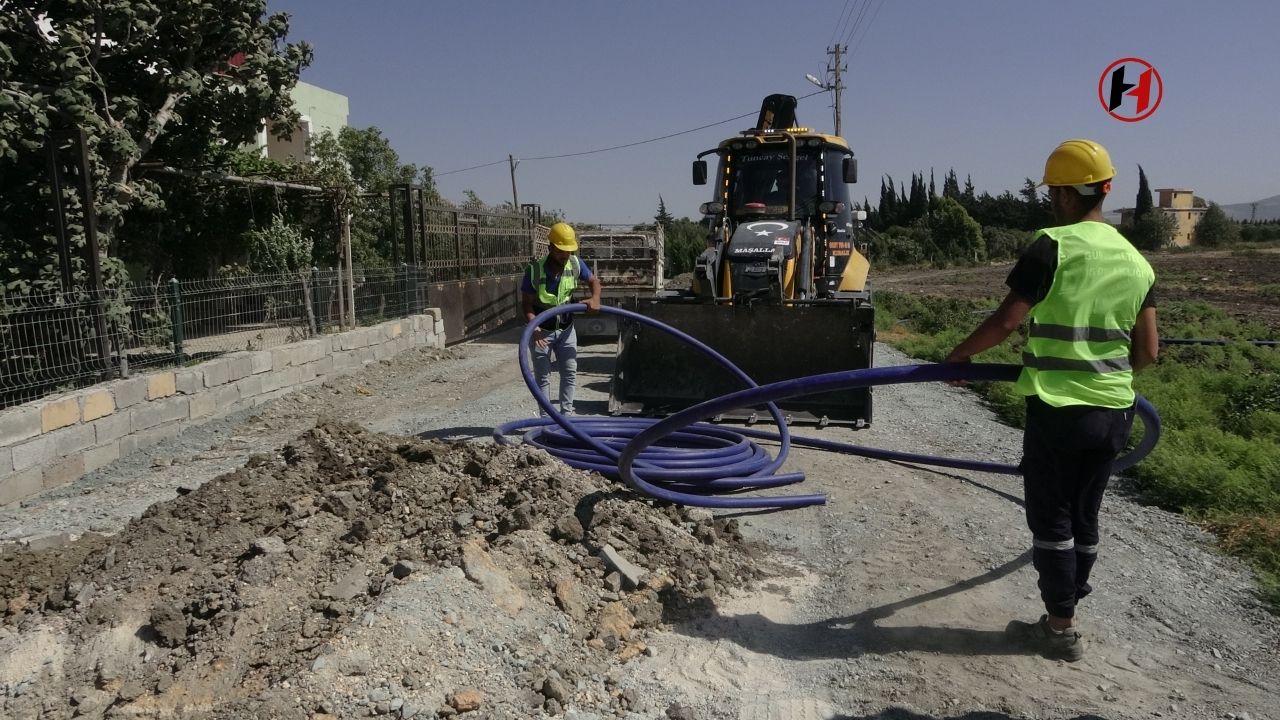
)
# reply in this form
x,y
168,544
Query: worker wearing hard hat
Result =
x,y
1090,298
549,282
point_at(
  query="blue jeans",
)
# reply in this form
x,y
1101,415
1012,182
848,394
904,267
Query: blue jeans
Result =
x,y
564,343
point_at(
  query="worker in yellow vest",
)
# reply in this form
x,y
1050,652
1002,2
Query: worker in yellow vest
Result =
x,y
547,283
1090,298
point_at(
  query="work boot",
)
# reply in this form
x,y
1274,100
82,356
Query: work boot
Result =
x,y
1065,645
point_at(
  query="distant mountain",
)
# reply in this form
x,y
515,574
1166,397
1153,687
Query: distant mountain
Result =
x,y
1268,209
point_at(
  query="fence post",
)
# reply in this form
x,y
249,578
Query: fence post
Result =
x,y
317,305
175,318
407,288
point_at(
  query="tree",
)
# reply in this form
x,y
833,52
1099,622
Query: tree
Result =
x,y
146,81
951,185
958,236
1142,204
1153,232
685,241
1215,229
1038,213
663,217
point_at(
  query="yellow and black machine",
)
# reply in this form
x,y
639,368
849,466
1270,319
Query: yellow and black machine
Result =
x,y
781,289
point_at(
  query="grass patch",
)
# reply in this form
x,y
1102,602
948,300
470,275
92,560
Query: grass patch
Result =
x,y
1218,461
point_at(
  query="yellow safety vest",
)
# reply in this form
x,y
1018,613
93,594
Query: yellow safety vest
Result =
x,y
1081,333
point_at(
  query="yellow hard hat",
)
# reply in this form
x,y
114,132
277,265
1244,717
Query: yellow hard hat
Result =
x,y
563,237
1078,162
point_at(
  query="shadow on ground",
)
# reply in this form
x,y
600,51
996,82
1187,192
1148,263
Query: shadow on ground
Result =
x,y
858,634
899,714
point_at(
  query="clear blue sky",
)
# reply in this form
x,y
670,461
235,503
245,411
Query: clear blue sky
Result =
x,y
988,88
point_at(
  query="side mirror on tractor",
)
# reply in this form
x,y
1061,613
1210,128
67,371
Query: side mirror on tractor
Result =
x,y
851,170
699,172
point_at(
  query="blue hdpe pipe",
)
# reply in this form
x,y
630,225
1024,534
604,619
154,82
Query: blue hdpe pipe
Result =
x,y
683,459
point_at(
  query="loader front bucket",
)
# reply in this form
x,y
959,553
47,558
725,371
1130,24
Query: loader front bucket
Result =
x,y
656,374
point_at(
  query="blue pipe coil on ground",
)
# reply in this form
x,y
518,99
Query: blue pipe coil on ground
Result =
x,y
683,459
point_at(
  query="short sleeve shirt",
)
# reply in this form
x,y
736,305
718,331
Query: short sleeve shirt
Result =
x,y
1032,276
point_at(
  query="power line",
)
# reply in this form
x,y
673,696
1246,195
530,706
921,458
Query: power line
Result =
x,y
865,31
838,29
857,23
615,147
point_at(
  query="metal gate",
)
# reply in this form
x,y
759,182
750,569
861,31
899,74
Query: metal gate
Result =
x,y
474,258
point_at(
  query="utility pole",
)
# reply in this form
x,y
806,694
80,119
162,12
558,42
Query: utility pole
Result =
x,y
515,201
835,68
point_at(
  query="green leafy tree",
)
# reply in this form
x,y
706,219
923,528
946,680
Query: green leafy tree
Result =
x,y
685,241
951,185
1152,232
1036,203
1215,229
1142,204
663,217
146,81
957,235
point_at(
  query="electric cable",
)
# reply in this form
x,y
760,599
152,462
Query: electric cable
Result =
x,y
683,459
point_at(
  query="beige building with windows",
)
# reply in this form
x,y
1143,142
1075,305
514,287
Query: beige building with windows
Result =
x,y
1178,203
321,110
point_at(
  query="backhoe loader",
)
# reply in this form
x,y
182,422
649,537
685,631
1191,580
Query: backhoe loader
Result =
x,y
781,289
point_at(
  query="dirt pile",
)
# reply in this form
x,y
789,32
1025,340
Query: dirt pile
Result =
x,y
358,574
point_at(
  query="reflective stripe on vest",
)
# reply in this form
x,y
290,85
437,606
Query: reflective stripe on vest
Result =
x,y
1077,352
568,282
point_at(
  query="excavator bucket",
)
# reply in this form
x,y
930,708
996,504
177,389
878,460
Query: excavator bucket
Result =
x,y
656,374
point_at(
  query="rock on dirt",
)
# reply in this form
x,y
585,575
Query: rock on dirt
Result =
x,y
263,592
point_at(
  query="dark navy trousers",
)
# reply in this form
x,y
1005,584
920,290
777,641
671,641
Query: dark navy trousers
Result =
x,y
1067,458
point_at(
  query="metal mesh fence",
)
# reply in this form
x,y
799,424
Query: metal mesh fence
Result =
x,y
56,341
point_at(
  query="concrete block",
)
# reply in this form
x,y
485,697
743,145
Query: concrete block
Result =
x,y
152,414
64,471
34,452
438,341
216,372
189,382
225,397
204,404
128,392
350,340
397,329
382,351
6,461
274,380
322,367
265,398
261,361
161,385
112,427
344,362
21,486
434,313
366,355
95,458
310,350
73,440
250,386
59,413
148,438
18,424
97,403
281,357
239,365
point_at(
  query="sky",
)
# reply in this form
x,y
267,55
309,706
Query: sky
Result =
x,y
988,87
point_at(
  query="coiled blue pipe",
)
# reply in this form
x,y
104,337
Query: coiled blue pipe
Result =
x,y
683,460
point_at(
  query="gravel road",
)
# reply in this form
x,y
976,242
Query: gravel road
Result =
x,y
887,602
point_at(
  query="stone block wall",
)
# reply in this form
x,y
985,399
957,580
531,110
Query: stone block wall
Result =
x,y
54,441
